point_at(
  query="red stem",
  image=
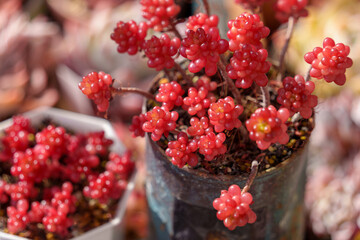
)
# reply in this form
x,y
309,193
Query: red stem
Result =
x,y
184,75
206,6
122,90
289,32
307,76
174,30
235,91
253,173
265,96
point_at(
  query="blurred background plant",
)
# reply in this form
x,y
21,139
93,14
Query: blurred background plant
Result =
x,y
47,45
333,187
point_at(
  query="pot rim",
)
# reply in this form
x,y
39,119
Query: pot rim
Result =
x,y
212,177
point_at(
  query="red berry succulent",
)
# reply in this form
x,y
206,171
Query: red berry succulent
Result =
x,y
197,101
205,81
17,137
121,165
20,190
54,140
37,211
329,62
159,13
97,143
106,186
160,51
96,86
233,207
224,114
290,8
29,166
136,125
57,221
199,127
211,145
182,151
17,216
267,126
296,96
249,65
203,49
129,36
246,28
160,121
170,95
202,20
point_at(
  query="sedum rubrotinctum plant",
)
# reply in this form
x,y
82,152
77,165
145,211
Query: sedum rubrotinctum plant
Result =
x,y
225,107
52,181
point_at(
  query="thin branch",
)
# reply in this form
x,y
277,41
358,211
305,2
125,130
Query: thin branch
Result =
x,y
235,91
206,6
174,30
253,173
307,76
296,117
122,90
184,75
265,96
289,32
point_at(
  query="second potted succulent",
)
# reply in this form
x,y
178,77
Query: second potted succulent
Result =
x,y
224,115
59,179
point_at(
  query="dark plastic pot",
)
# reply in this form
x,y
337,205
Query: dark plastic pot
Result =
x,y
180,200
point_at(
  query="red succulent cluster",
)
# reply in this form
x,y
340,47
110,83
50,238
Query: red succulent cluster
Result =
x,y
160,121
330,61
53,140
182,151
136,125
199,127
211,145
246,28
17,216
249,65
170,95
267,126
17,137
57,156
121,165
96,86
97,143
129,36
160,51
29,166
197,101
159,13
290,8
203,49
202,20
233,207
251,4
296,96
19,190
104,187
224,114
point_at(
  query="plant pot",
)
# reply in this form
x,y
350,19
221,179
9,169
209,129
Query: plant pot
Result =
x,y
83,123
180,200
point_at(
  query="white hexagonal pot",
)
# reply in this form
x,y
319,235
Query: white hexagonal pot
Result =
x,y
113,230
